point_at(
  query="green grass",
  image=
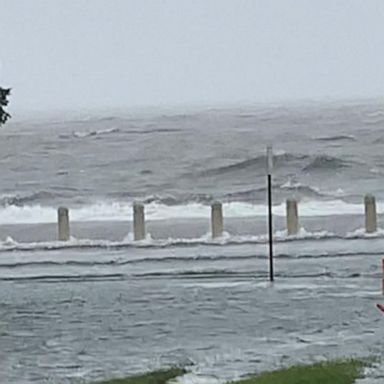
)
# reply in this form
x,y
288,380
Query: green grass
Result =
x,y
155,377
332,372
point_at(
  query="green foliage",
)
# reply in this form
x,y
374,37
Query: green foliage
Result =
x,y
4,115
155,377
332,372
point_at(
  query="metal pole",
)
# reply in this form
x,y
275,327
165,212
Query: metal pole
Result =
x,y
270,228
270,224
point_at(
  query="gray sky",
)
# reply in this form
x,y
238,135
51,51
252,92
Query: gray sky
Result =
x,y
72,54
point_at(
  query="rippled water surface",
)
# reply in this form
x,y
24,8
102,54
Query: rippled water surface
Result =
x,y
103,305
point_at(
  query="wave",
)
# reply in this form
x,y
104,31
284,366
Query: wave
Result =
x,y
91,119
254,163
212,273
122,211
20,199
310,191
336,138
220,273
305,162
298,188
164,260
239,196
374,117
68,277
97,119
155,130
105,118
374,121
47,197
170,200
150,131
85,134
171,260
325,163
361,234
147,259
82,134
9,244
377,113
250,194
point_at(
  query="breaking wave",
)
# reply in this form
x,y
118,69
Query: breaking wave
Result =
x,y
171,200
325,163
9,244
361,234
310,191
122,211
247,195
46,198
20,199
196,262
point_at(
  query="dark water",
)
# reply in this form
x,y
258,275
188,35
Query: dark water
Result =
x,y
103,305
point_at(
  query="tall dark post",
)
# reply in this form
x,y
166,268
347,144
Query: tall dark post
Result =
x,y
270,226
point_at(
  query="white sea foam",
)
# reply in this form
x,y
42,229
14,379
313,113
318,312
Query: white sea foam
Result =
x,y
377,113
339,192
303,234
9,244
361,234
82,135
292,185
122,211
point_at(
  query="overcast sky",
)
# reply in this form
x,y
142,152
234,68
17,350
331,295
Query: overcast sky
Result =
x,y
73,54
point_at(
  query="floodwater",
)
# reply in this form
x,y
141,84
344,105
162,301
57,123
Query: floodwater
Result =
x,y
103,305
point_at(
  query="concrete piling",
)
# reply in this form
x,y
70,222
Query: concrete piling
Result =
x,y
138,222
370,214
63,224
292,217
217,226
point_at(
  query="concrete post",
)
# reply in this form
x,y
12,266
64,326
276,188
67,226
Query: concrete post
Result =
x,y
63,224
138,222
292,217
217,219
370,214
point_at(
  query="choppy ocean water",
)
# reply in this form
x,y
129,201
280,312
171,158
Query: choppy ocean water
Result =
x,y
104,305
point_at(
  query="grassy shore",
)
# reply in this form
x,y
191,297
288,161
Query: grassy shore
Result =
x,y
332,372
